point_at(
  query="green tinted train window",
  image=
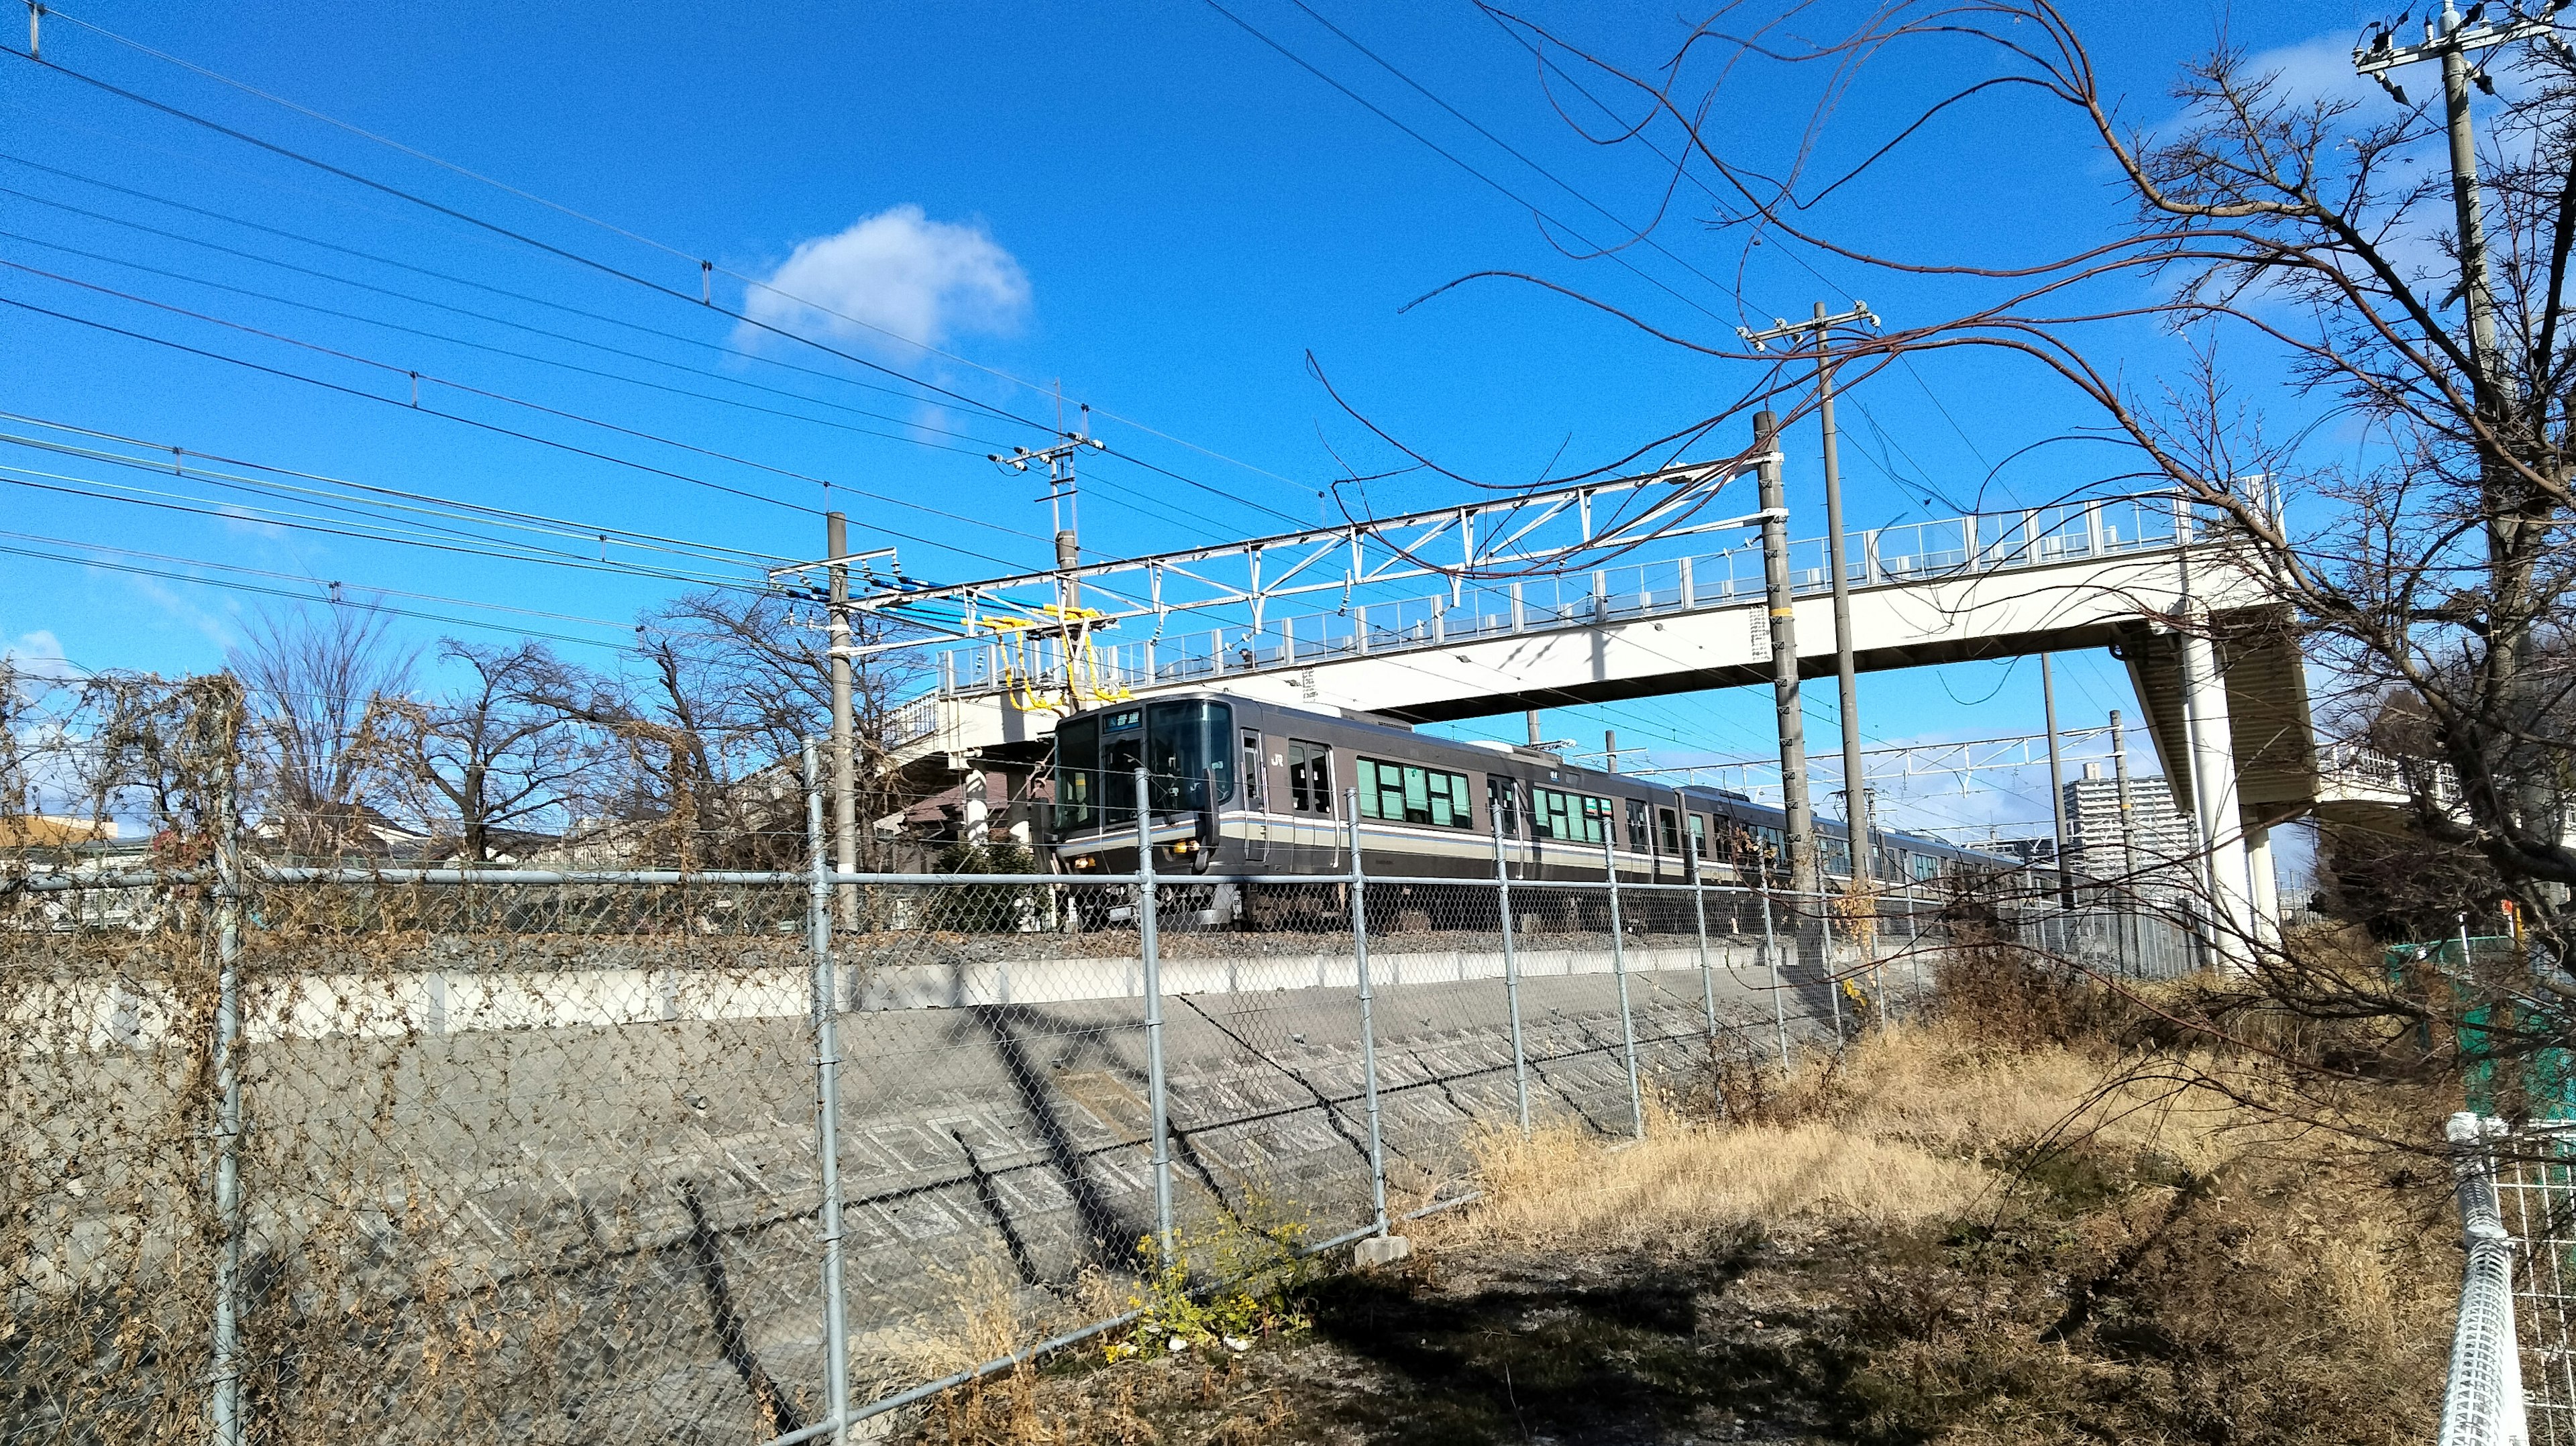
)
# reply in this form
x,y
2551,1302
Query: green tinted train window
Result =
x,y
1405,793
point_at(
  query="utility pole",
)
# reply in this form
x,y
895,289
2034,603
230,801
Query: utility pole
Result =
x,y
2128,816
1534,737
845,795
1609,750
2452,39
1064,519
1801,815
2056,782
1855,791
839,653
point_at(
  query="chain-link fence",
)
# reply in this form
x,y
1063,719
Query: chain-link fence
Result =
x,y
304,1154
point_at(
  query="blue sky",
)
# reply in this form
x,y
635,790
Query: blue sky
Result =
x,y
1146,203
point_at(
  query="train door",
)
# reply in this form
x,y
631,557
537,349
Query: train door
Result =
x,y
1256,798
1668,834
1310,798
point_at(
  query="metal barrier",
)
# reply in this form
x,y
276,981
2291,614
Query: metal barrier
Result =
x,y
448,1154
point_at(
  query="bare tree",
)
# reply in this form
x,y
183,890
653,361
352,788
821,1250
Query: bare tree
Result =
x,y
710,727
323,692
2254,220
497,756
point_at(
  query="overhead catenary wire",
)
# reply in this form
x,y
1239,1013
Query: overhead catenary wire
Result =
x,y
277,592
496,428
535,521
706,266
371,589
486,317
1131,500
78,486
604,318
566,254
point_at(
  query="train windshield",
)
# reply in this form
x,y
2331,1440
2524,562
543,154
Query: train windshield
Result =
x,y
1182,745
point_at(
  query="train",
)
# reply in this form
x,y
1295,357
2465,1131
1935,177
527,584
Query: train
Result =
x,y
1240,787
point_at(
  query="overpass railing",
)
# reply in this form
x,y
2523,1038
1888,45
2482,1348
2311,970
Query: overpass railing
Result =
x,y
1980,543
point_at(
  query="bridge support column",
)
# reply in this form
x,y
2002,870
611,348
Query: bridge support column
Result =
x,y
975,818
2213,789
2263,885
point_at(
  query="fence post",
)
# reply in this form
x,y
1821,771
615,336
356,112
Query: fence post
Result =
x,y
1619,967
827,1113
1368,1017
1511,971
1150,944
1771,959
1833,982
2483,1400
1914,944
1699,906
224,1407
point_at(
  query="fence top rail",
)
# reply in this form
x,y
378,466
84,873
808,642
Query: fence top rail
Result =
x,y
806,878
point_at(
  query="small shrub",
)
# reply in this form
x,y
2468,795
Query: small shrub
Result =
x,y
1250,1268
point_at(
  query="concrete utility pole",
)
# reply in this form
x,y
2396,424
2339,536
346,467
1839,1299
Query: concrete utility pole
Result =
x,y
845,793
2128,817
2450,40
1609,750
1063,514
1856,823
1801,814
2056,782
1532,717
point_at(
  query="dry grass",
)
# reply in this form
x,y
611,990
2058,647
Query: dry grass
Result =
x,y
1912,1124
2027,1222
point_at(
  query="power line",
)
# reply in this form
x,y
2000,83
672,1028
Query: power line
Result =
x,y
706,267
262,590
484,425
477,511
565,254
487,317
1142,505
1452,158
78,486
371,529
437,275
334,584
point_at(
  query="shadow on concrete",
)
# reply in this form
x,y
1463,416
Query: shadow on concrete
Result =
x,y
706,1250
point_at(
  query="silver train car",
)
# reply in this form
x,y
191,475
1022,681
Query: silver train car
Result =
x,y
1237,786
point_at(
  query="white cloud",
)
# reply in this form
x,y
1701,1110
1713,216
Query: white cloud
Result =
x,y
895,272
2320,69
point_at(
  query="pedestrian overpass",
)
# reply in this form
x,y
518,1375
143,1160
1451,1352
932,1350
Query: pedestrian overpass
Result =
x,y
1611,591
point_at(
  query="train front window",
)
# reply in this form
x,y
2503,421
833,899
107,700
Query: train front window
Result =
x,y
1077,775
1122,752
1404,793
1185,752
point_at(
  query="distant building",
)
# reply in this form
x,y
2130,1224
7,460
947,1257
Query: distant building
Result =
x,y
53,831
2159,833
